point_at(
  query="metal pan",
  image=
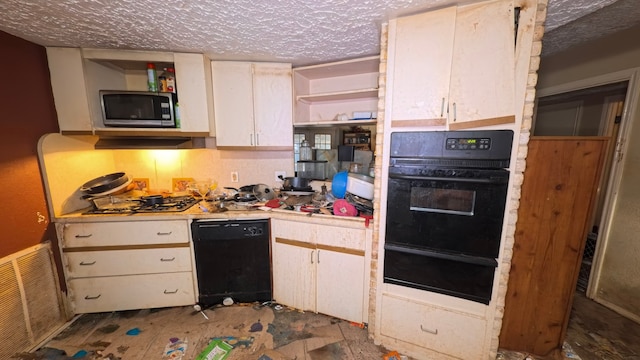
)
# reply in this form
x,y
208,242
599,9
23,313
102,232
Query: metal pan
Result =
x,y
104,183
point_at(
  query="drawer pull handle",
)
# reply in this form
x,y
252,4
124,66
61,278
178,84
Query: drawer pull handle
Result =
x,y
83,236
87,297
167,260
171,292
434,332
164,233
87,263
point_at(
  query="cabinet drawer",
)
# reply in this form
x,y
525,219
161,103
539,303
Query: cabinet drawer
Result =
x,y
131,292
458,335
125,233
125,262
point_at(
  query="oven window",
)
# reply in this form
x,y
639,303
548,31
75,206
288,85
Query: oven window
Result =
x,y
444,201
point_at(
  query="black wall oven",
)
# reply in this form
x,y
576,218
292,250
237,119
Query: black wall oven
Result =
x,y
447,194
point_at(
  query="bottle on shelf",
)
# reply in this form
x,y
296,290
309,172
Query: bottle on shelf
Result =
x,y
176,111
152,82
162,83
170,74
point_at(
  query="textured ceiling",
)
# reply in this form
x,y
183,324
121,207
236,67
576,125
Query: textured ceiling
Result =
x,y
296,31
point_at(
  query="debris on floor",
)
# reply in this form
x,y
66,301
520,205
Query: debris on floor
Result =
x,y
245,341
567,353
278,335
217,350
175,349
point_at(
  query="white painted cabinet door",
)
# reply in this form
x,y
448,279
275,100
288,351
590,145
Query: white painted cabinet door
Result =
x,y
273,104
69,89
482,73
340,284
294,274
193,89
233,103
421,61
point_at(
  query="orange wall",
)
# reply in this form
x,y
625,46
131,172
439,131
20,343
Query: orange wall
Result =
x,y
27,112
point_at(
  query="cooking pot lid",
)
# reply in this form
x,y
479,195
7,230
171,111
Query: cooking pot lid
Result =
x,y
263,192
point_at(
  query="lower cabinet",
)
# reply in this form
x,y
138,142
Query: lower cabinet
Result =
x,y
443,331
111,266
320,268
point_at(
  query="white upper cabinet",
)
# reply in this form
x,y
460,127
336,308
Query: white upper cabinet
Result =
x,y
453,67
77,76
69,89
422,66
253,105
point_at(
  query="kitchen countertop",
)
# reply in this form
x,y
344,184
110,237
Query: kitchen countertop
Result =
x,y
195,212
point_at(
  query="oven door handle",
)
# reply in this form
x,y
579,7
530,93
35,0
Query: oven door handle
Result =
x,y
440,178
441,255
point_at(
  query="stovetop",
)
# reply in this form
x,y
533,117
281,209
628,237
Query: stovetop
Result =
x,y
168,205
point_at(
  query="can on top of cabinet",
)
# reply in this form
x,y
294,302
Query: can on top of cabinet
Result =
x,y
152,82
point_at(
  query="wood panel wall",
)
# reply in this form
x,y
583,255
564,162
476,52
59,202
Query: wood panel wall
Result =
x,y
28,112
558,192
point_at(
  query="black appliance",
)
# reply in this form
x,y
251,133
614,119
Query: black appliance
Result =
x,y
447,194
138,109
167,205
233,260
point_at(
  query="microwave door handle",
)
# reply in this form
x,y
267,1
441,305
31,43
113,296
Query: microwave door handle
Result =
x,y
440,178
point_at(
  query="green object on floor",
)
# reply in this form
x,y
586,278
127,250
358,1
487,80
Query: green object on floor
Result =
x,y
216,350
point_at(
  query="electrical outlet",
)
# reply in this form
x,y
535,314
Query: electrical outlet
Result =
x,y
280,173
234,177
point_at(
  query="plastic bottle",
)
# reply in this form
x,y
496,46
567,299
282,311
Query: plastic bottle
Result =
x,y
162,83
152,82
176,111
170,74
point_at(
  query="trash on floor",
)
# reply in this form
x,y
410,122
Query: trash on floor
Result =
x,y
134,332
216,350
175,349
255,327
245,341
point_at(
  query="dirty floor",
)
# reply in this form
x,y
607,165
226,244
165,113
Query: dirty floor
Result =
x,y
594,333
257,332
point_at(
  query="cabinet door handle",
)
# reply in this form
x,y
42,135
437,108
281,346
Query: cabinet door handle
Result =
x,y
312,251
87,297
257,139
170,292
318,256
251,139
87,263
83,236
164,233
167,260
455,113
434,332
442,108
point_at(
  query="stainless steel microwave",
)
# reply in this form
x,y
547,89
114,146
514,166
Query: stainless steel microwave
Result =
x,y
138,109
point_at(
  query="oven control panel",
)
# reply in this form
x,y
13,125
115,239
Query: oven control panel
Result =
x,y
468,143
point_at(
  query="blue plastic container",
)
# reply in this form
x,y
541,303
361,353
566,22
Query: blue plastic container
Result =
x,y
339,184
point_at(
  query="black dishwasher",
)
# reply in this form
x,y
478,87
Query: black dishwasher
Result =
x,y
232,260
